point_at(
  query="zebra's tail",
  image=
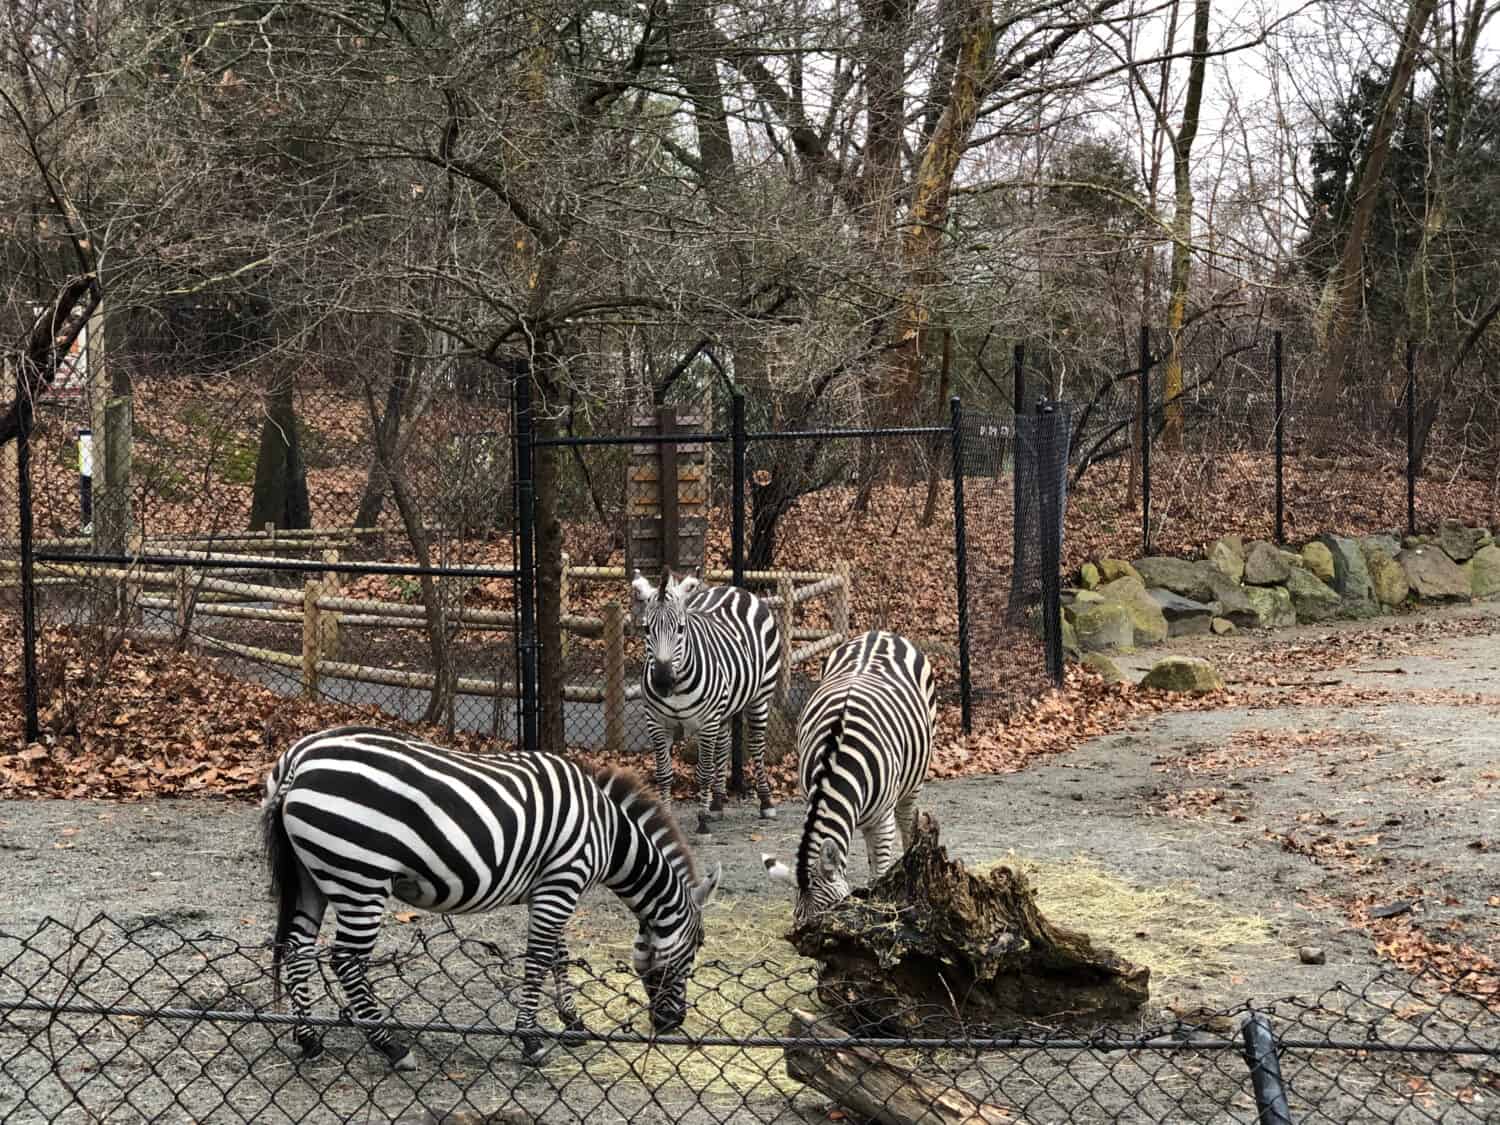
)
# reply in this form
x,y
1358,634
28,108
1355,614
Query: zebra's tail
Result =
x,y
285,870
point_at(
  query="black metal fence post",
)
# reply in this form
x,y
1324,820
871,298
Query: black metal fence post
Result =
x,y
1411,437
1265,1071
525,559
737,563
1145,350
1048,439
1280,439
961,561
28,558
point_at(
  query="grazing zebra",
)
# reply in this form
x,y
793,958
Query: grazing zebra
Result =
x,y
355,814
710,654
864,744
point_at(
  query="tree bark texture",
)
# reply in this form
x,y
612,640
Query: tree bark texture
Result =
x,y
280,495
874,1089
934,950
1182,227
1337,308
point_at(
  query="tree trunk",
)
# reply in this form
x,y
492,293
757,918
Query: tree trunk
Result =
x,y
280,495
1335,318
931,194
934,950
935,469
387,433
875,1089
1182,228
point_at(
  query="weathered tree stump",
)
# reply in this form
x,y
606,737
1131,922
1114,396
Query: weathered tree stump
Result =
x,y
932,949
874,1089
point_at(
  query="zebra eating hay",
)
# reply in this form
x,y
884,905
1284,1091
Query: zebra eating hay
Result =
x,y
864,744
354,814
711,653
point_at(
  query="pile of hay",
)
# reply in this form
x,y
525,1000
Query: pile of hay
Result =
x,y
1181,936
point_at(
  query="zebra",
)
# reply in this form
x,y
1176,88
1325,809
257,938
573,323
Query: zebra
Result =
x,y
711,654
353,815
864,744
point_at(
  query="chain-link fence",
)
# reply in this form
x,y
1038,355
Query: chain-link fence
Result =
x,y
144,1021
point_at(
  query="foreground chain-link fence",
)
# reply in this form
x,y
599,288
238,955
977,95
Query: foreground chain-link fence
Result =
x,y
141,1021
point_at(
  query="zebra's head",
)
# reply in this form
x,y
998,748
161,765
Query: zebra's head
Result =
x,y
662,613
822,886
664,955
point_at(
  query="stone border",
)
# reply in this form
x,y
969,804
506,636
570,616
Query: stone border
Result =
x,y
1120,606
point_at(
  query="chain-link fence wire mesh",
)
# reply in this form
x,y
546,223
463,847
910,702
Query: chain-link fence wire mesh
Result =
x,y
1015,486
822,551
196,448
147,1021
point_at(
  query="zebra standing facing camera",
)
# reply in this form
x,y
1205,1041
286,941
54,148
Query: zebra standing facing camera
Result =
x,y
711,653
354,815
864,745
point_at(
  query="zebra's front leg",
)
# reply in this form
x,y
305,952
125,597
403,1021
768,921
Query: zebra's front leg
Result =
x,y
708,770
661,744
880,845
358,925
551,907
721,770
757,718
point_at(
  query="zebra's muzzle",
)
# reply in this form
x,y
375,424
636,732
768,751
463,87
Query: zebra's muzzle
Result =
x,y
661,678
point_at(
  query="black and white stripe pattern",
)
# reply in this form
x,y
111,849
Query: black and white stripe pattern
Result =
x,y
711,653
355,815
864,744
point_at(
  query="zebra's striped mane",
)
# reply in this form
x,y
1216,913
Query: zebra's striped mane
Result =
x,y
627,790
816,793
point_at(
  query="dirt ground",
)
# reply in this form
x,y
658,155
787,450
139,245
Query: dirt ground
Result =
x,y
1211,845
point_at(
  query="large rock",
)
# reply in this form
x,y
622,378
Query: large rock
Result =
x,y
1387,543
1147,621
1228,554
1264,565
1319,559
1387,578
1273,606
1185,617
1484,572
1457,541
1351,577
1103,666
1312,600
1190,579
1102,627
1183,673
1433,576
1110,569
1232,599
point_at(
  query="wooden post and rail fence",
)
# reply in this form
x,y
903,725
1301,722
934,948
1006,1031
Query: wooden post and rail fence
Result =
x,y
323,611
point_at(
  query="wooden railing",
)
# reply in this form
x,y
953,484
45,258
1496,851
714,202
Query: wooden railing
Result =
x,y
323,611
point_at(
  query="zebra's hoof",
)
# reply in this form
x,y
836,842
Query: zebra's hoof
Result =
x,y
404,1061
575,1023
703,826
718,805
312,1050
768,812
534,1052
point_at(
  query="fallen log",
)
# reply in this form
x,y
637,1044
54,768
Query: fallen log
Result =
x,y
874,1089
934,950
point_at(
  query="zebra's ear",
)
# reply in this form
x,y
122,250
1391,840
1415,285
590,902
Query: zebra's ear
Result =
x,y
776,871
703,893
829,860
642,588
687,585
